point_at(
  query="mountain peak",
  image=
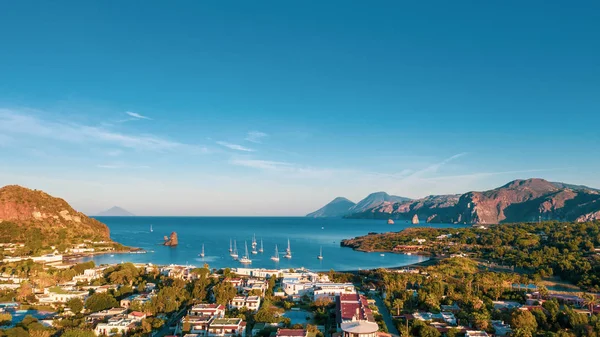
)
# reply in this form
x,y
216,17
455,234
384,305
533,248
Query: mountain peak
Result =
x,y
115,211
336,208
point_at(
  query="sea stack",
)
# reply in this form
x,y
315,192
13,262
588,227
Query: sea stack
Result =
x,y
415,220
171,240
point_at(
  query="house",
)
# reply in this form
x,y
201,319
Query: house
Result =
x,y
227,327
237,283
501,328
136,298
115,325
136,315
506,305
352,307
359,328
60,295
210,310
447,317
331,290
292,333
249,302
476,333
89,275
197,324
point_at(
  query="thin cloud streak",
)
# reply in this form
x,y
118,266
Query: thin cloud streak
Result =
x,y
236,147
256,136
137,115
15,123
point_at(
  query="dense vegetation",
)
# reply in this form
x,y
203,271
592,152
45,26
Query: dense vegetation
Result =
x,y
459,281
545,249
40,220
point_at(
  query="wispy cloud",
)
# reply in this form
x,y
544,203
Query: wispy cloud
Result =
x,y
262,164
22,123
488,174
137,115
434,168
236,147
121,166
256,136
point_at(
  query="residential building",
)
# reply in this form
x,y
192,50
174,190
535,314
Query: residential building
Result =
x,y
60,295
501,328
476,333
359,328
227,327
352,307
249,302
115,325
210,310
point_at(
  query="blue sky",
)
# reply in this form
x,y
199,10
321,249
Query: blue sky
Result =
x,y
277,107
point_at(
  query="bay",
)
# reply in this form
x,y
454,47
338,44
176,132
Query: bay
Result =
x,y
307,236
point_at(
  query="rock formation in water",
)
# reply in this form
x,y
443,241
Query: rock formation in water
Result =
x,y
415,220
171,240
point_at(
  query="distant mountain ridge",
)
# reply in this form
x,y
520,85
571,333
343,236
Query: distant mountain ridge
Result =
x,y
337,208
115,211
340,207
517,201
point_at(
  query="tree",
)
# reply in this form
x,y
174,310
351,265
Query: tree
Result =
x,y
24,292
398,305
523,320
322,302
40,332
100,301
75,304
224,292
186,325
590,301
5,318
429,331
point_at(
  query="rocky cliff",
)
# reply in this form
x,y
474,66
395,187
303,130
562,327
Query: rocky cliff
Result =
x,y
517,201
26,213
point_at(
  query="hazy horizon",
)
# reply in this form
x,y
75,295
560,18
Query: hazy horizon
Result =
x,y
274,108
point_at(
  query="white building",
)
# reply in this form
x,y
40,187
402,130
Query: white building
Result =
x,y
359,328
227,327
89,275
115,325
476,333
60,295
248,302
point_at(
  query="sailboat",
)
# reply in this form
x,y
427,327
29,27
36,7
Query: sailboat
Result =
x,y
202,253
234,254
288,251
253,241
230,249
261,247
320,257
276,256
151,230
245,259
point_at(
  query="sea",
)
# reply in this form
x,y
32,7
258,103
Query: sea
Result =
x,y
307,237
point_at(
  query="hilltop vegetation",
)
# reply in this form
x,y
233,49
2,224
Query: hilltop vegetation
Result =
x,y
545,249
38,220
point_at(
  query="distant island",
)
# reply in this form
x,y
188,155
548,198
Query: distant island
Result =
x,y
115,211
518,201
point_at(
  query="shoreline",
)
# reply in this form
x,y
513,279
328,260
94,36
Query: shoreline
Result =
x,y
79,256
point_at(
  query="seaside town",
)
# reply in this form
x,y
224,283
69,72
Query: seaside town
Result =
x,y
50,295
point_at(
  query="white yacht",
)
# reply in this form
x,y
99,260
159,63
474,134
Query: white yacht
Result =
x,y
245,259
276,256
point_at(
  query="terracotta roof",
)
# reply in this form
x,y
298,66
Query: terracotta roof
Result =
x,y
291,332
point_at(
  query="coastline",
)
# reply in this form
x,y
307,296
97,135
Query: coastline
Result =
x,y
79,256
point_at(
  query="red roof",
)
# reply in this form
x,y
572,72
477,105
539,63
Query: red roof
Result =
x,y
137,313
291,332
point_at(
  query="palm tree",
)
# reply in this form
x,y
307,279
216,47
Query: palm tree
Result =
x,y
398,305
589,300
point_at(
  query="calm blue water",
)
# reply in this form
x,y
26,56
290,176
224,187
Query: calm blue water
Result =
x,y
306,236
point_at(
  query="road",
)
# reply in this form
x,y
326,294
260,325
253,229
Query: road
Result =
x,y
387,317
